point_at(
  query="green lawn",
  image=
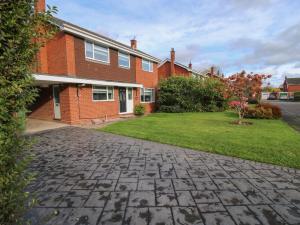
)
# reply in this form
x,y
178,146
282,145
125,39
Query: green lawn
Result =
x,y
271,141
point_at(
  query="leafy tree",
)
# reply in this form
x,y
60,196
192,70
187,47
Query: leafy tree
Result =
x,y
22,33
242,86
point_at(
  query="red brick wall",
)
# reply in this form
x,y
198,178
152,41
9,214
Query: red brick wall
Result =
x,y
164,71
69,104
57,55
42,108
148,79
90,109
102,71
293,88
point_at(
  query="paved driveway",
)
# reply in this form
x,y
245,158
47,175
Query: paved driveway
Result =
x,y
291,112
90,177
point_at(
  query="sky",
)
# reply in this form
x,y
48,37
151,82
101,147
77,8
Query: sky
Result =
x,y
260,36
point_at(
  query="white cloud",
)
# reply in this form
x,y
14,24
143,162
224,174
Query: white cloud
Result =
x,y
235,34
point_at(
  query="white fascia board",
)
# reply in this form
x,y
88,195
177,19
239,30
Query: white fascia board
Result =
x,y
73,80
108,43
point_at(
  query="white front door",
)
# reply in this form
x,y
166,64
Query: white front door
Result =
x,y
56,102
129,100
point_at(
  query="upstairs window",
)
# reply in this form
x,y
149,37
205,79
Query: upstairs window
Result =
x,y
147,65
103,93
96,52
147,95
124,60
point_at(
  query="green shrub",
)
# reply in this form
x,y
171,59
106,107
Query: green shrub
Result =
x,y
263,111
297,96
20,30
252,101
139,110
186,94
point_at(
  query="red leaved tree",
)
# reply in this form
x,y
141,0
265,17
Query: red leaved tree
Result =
x,y
243,86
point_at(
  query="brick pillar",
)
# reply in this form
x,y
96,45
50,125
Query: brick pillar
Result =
x,y
69,104
70,54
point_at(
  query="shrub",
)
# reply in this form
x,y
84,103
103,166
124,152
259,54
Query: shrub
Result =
x,y
139,110
22,32
297,96
263,111
186,94
252,101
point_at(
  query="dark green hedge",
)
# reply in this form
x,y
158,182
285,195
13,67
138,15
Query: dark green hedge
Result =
x,y
182,94
297,96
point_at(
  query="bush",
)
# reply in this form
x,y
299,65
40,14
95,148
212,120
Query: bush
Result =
x,y
263,111
297,96
139,110
252,101
182,94
22,32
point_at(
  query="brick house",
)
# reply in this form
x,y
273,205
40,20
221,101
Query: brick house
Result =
x,y
83,76
291,84
169,67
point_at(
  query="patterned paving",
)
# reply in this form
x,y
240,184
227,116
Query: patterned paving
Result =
x,y
89,177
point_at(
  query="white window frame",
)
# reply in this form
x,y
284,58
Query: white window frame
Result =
x,y
121,54
94,90
149,63
143,93
93,58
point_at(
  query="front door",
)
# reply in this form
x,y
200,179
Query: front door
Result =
x,y
122,99
56,101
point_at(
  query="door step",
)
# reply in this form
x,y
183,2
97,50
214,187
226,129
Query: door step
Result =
x,y
127,115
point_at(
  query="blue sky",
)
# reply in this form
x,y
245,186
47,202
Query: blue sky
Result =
x,y
257,35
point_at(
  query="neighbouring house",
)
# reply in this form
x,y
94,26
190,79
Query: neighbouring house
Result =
x,y
291,84
83,76
169,67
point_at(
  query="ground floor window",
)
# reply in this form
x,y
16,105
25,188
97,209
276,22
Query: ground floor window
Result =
x,y
103,93
147,94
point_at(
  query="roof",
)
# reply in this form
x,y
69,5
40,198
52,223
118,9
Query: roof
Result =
x,y
293,81
181,65
93,36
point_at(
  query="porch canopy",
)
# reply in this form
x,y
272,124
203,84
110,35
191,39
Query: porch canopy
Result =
x,y
44,80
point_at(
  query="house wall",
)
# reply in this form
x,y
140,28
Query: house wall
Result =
x,y
93,69
164,71
65,55
42,108
148,79
293,88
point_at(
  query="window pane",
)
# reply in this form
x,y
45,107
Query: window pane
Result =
x,y
129,94
145,65
110,93
124,60
89,49
100,55
151,66
99,88
100,96
142,95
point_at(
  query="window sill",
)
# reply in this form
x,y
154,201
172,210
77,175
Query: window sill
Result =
x,y
103,100
97,61
124,67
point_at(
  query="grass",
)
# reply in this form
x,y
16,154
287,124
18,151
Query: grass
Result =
x,y
270,141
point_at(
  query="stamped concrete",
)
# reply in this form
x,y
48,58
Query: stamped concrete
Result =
x,y
90,177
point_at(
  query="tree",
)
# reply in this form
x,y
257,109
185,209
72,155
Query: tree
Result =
x,y
22,33
243,86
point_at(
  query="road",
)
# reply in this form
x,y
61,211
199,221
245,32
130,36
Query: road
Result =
x,y
290,112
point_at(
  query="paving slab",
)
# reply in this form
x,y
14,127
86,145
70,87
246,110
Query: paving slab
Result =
x,y
90,177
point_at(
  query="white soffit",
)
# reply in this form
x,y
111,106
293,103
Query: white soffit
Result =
x,y
55,79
